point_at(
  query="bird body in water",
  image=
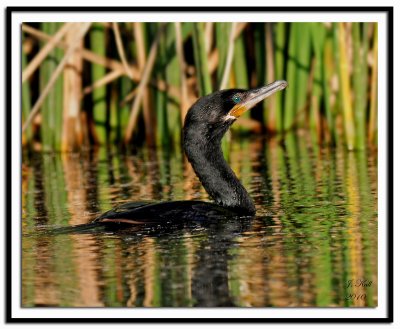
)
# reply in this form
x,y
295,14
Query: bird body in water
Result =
x,y
206,123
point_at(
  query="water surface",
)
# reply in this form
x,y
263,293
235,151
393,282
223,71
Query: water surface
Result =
x,y
312,243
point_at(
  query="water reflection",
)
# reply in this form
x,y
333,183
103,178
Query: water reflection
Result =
x,y
314,237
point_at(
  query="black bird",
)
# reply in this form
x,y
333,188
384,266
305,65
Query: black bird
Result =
x,y
205,124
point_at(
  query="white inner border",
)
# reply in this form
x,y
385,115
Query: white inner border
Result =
x,y
379,312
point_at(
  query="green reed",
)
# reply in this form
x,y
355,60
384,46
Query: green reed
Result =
x,y
328,71
303,70
291,70
173,79
26,100
240,73
222,36
279,58
46,68
99,96
201,59
161,96
359,76
331,92
317,37
52,106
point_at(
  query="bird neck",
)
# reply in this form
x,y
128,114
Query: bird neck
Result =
x,y
220,182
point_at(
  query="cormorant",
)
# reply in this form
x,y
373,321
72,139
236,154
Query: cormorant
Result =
x,y
205,124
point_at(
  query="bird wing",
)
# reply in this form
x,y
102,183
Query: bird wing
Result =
x,y
121,211
164,213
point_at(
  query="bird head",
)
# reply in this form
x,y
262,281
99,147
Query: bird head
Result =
x,y
212,115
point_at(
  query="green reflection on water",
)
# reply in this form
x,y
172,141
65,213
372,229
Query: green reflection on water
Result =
x,y
315,229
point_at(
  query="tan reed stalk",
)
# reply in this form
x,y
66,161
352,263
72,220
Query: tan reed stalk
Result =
x,y
143,83
208,31
148,114
213,57
105,80
270,110
121,51
42,54
108,63
88,55
374,91
72,132
82,31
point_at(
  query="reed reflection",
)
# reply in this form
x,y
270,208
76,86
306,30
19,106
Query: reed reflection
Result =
x,y
314,231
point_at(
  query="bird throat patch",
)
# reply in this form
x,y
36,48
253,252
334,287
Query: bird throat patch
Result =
x,y
237,110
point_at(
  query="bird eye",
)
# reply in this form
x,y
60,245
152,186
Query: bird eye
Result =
x,y
236,99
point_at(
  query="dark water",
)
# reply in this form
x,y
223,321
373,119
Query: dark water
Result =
x,y
312,243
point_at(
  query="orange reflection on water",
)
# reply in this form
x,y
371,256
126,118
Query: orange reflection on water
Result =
x,y
315,229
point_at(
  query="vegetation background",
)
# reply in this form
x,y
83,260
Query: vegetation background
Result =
x,y
131,84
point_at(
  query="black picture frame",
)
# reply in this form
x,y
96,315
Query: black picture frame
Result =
x,y
8,106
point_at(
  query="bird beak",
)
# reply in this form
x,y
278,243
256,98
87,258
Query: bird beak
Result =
x,y
255,96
